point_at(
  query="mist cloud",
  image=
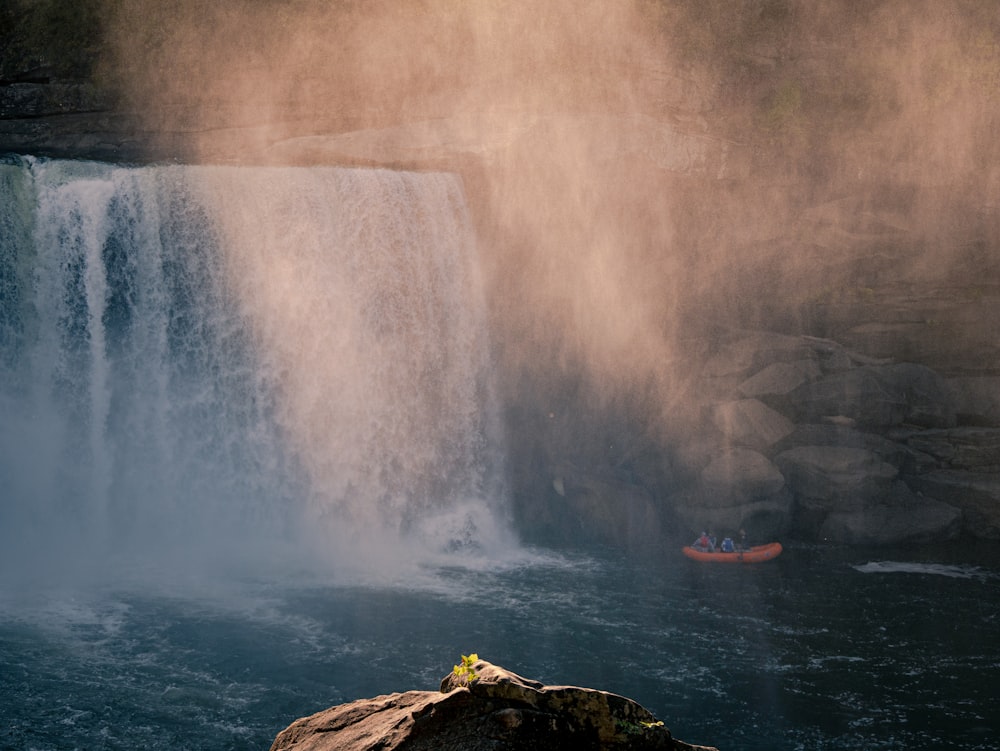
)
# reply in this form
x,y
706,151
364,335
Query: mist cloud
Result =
x,y
606,264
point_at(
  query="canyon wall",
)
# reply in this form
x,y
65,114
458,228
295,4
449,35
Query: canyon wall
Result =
x,y
741,258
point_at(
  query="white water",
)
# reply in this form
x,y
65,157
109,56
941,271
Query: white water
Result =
x,y
909,567
197,363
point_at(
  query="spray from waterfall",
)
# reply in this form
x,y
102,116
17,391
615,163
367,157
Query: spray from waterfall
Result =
x,y
201,360
647,169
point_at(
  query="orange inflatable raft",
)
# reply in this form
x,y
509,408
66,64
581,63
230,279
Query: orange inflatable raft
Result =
x,y
756,554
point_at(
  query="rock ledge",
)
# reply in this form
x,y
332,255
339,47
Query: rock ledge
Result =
x,y
498,711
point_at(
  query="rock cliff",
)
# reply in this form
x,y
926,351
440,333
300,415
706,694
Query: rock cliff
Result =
x,y
742,273
496,711
841,448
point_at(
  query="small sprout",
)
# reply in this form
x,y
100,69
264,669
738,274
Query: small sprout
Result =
x,y
465,670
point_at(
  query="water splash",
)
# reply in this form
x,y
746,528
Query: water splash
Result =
x,y
930,569
208,359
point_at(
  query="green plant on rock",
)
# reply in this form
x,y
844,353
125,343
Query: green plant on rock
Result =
x,y
465,671
637,728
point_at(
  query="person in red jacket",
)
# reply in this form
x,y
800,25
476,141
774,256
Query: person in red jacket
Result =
x,y
704,543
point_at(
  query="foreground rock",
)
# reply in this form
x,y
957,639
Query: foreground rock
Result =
x,y
498,711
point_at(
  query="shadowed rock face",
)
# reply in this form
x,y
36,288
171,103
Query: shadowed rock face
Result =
x,y
498,711
868,451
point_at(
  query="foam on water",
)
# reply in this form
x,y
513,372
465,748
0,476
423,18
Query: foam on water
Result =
x,y
930,569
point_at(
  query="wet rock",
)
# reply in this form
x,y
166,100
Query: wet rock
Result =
x,y
740,476
34,100
977,399
103,136
753,351
896,452
738,488
902,517
441,142
780,378
764,518
976,494
751,423
879,397
591,507
498,711
975,449
836,431
931,321
835,478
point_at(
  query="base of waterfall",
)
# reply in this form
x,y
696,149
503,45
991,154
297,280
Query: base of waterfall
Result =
x,y
496,710
203,363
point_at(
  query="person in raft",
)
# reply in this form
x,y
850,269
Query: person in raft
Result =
x,y
704,543
727,545
743,544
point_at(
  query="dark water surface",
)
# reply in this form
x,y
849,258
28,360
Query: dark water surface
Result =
x,y
820,649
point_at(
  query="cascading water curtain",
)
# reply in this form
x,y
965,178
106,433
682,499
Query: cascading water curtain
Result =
x,y
198,354
135,405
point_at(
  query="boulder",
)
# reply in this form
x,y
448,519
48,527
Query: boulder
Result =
x,y
896,452
763,519
738,488
751,423
835,478
976,494
879,397
975,449
753,351
739,476
904,518
832,356
977,399
780,378
496,711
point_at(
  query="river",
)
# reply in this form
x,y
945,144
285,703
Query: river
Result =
x,y
250,467
824,648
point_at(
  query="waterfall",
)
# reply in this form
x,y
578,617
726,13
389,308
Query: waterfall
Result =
x,y
192,355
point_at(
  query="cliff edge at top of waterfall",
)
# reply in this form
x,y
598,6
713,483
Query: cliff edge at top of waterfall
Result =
x,y
483,706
